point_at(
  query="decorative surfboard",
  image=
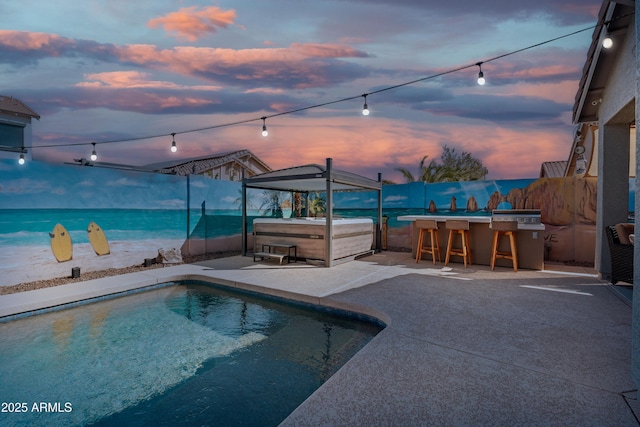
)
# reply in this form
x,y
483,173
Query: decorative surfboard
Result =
x,y
61,243
98,239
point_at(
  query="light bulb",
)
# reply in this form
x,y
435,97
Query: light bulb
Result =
x,y
607,42
365,108
265,132
21,159
481,80
94,156
173,143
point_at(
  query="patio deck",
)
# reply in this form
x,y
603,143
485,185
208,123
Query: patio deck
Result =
x,y
461,347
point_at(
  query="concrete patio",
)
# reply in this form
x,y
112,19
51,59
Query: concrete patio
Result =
x,y
461,347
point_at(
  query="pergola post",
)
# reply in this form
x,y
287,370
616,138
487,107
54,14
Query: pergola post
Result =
x,y
244,216
635,313
328,233
379,229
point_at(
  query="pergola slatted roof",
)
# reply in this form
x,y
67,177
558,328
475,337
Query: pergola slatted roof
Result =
x,y
310,178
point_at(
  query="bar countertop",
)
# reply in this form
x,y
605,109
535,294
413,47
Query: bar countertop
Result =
x,y
479,219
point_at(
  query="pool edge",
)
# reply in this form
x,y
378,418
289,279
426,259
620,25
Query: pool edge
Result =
x,y
23,304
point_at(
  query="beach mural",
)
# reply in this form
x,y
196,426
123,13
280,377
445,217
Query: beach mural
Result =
x,y
57,217
54,218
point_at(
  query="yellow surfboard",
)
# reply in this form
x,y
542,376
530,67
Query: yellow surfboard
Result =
x,y
61,243
98,239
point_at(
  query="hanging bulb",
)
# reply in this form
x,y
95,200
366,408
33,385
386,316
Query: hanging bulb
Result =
x,y
264,127
607,41
94,156
365,109
21,159
481,80
173,143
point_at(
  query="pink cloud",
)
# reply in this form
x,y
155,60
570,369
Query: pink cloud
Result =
x,y
299,65
319,50
382,145
134,79
191,24
47,44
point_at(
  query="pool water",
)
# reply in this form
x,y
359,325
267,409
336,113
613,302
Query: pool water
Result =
x,y
183,354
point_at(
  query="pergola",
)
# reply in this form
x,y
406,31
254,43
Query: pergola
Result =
x,y
313,178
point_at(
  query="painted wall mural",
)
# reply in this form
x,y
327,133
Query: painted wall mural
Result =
x,y
113,218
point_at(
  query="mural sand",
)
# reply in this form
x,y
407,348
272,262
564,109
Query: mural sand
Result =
x,y
25,264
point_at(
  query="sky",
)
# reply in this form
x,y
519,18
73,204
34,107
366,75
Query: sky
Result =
x,y
127,75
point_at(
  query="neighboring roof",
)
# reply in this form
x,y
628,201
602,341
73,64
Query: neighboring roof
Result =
x,y
553,169
600,61
311,178
197,164
13,106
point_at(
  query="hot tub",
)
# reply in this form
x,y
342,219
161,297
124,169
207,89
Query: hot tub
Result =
x,y
351,236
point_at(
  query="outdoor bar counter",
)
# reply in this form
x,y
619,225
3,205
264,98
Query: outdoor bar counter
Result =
x,y
529,239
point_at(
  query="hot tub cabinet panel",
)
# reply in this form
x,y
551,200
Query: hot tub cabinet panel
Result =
x,y
351,237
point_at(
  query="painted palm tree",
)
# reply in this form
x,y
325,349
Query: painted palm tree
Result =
x,y
272,203
238,201
317,204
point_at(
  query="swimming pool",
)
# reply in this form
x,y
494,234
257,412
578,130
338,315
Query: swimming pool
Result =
x,y
187,353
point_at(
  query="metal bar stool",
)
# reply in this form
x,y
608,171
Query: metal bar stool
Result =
x,y
458,227
504,228
428,226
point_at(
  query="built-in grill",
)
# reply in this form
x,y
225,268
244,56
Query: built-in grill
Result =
x,y
523,216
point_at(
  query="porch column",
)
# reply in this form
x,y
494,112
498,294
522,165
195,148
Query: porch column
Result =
x,y
635,313
613,188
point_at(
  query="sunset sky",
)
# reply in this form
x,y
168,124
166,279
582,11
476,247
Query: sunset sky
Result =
x,y
104,71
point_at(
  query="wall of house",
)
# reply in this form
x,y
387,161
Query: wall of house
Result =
x,y
619,95
26,135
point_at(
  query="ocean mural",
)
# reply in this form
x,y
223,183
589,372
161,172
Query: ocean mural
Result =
x,y
141,213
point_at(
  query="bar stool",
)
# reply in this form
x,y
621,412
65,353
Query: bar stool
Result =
x,y
504,228
430,227
458,227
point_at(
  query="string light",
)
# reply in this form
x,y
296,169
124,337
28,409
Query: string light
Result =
x,y
21,159
365,108
94,156
481,80
607,42
173,143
